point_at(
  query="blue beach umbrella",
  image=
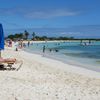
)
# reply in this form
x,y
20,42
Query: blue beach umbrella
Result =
x,y
1,39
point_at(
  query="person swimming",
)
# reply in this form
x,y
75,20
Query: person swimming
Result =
x,y
50,50
56,50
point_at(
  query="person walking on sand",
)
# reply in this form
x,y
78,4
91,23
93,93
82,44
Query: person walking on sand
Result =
x,y
21,44
10,43
16,45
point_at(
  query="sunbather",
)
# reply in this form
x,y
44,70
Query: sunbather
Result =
x,y
10,62
7,60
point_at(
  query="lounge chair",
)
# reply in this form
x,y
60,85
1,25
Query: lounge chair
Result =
x,y
10,62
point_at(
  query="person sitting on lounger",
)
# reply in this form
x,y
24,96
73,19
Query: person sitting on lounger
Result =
x,y
8,60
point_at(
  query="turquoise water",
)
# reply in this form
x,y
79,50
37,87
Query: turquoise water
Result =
x,y
83,55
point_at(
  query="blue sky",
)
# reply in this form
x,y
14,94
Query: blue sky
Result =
x,y
71,16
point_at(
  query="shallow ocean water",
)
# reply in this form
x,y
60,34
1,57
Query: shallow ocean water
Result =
x,y
83,55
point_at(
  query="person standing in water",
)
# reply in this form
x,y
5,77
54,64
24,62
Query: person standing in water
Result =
x,y
44,49
28,43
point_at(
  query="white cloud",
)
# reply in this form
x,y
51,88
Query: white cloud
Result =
x,y
31,13
50,14
71,33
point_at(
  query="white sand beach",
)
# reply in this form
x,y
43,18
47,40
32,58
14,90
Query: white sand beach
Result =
x,y
41,78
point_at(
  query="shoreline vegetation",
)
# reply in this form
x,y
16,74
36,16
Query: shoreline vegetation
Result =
x,y
25,36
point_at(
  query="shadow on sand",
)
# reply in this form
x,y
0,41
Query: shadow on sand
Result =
x,y
3,68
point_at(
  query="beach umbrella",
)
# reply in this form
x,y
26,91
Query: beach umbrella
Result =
x,y
1,39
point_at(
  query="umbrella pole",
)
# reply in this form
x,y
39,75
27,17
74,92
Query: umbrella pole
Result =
x,y
0,53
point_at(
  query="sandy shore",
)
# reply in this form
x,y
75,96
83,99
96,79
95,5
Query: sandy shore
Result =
x,y
41,78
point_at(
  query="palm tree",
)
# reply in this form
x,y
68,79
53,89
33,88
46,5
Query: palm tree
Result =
x,y
33,35
26,34
21,35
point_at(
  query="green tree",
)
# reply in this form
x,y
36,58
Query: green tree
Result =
x,y
33,35
11,37
16,35
21,35
44,37
26,34
37,37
